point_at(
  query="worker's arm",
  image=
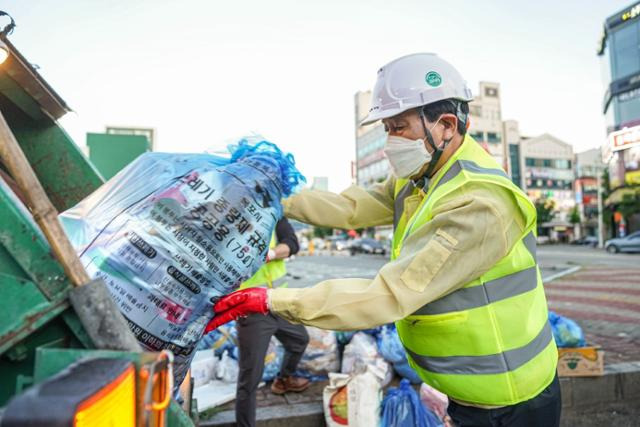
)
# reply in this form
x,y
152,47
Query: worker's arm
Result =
x,y
353,208
287,241
468,234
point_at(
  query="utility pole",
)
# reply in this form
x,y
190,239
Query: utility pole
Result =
x,y
600,225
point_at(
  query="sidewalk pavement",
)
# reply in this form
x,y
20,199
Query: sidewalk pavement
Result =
x,y
605,302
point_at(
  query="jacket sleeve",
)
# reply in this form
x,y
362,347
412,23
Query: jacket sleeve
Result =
x,y
353,208
467,235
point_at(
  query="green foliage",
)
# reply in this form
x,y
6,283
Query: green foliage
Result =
x,y
322,232
545,209
629,205
574,216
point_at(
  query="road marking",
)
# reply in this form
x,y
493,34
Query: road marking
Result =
x,y
561,274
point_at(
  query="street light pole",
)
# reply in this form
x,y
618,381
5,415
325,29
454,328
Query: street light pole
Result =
x,y
600,225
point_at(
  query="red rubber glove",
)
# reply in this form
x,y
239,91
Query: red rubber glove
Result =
x,y
238,304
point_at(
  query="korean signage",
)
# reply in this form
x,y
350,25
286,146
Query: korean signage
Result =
x,y
625,138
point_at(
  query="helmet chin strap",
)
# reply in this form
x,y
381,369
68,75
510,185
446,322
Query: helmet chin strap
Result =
x,y
423,181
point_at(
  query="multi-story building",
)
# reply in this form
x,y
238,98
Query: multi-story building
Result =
x,y
588,168
511,137
371,164
486,127
620,56
547,165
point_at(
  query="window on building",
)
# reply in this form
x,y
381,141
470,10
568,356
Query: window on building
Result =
x,y
477,135
627,106
493,136
491,91
529,161
563,164
626,59
546,163
475,110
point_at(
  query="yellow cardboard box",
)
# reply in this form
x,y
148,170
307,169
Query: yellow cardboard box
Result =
x,y
580,361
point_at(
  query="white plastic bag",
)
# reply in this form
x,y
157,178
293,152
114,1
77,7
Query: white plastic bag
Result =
x,y
227,369
352,400
363,349
203,367
321,355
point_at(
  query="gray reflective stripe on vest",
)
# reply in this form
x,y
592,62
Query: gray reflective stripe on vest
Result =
x,y
452,172
507,361
478,296
398,203
530,243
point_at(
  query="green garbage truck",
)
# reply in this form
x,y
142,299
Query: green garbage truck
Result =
x,y
52,370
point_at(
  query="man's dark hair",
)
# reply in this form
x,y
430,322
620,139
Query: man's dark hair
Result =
x,y
449,106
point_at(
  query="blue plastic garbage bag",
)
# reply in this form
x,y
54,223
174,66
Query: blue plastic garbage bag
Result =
x,y
221,339
272,360
401,407
391,349
566,332
172,233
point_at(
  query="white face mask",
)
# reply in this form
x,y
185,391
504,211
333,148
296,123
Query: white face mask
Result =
x,y
406,156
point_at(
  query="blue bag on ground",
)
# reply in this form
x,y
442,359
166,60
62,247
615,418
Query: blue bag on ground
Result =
x,y
172,233
391,349
401,407
566,332
221,339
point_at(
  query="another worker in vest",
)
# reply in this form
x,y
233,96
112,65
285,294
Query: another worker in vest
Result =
x,y
463,284
255,332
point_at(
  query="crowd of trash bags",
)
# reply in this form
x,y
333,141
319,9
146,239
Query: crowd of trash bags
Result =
x,y
358,366
172,233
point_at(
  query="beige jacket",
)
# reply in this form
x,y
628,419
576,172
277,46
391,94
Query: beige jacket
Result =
x,y
472,228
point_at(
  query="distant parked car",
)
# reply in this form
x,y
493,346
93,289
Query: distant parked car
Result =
x,y
631,243
586,241
367,246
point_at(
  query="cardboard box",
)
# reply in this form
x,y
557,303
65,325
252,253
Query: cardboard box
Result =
x,y
581,361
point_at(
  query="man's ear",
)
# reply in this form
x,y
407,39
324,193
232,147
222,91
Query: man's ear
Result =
x,y
450,123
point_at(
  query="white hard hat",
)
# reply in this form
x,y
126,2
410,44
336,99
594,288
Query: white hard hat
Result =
x,y
413,81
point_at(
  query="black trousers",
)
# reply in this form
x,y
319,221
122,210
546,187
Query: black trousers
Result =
x,y
541,411
254,334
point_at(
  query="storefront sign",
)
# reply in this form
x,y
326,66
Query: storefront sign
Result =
x,y
625,138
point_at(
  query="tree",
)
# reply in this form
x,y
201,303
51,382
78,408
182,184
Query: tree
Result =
x,y
574,216
545,211
322,232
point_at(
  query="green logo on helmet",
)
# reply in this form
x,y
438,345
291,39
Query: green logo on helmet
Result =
x,y
433,79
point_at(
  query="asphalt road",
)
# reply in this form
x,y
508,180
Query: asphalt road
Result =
x,y
308,270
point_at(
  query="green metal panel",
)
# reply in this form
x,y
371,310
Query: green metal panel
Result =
x,y
110,153
17,364
27,311
28,248
65,173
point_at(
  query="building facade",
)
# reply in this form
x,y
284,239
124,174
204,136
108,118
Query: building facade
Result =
x,y
486,126
547,166
619,51
371,164
589,167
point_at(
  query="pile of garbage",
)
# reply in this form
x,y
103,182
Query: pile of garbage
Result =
x,y
357,364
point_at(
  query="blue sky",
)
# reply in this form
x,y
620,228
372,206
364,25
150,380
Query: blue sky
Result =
x,y
202,72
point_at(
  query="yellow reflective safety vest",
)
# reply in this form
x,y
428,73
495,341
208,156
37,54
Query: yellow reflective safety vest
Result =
x,y
490,342
268,273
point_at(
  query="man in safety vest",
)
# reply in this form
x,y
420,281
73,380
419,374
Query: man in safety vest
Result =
x,y
255,332
463,284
